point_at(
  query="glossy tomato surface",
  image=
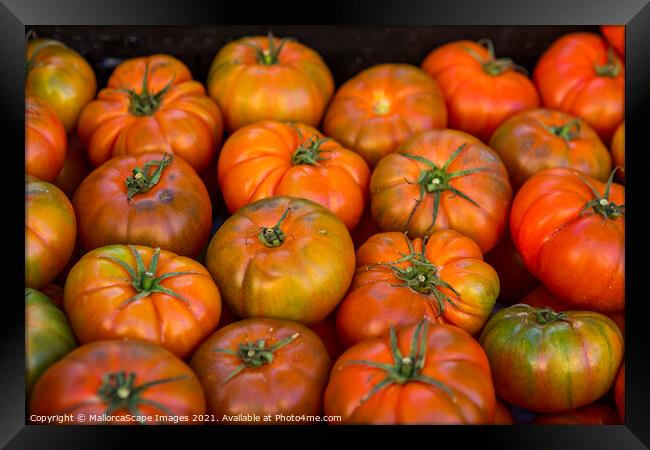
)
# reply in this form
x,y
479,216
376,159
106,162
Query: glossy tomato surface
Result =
x,y
45,140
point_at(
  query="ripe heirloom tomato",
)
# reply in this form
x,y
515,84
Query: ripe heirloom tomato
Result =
x,y
117,379
618,151
398,282
60,76
136,292
45,140
502,414
374,112
283,258
265,78
542,138
615,35
151,199
442,179
619,392
75,167
276,159
152,104
579,74
570,231
261,367
481,91
593,414
50,230
420,374
48,336
551,362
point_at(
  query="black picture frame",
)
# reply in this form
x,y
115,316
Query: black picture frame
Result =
x,y
15,15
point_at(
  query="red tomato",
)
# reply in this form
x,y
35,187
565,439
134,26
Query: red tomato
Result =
x,y
619,392
618,151
593,414
45,140
615,35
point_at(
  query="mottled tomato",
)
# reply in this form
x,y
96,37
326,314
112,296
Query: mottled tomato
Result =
x,y
136,292
615,35
481,91
152,104
50,230
116,380
75,167
502,414
542,138
420,374
618,151
284,258
280,159
570,231
581,75
548,361
326,331
45,140
398,282
263,366
48,336
60,76
149,199
593,414
265,78
374,112
442,179
619,392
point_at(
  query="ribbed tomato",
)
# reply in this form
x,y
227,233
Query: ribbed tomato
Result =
x,y
420,374
398,282
542,138
276,159
548,361
481,91
152,104
615,35
581,75
570,231
374,112
593,414
45,140
619,392
442,179
265,78
618,151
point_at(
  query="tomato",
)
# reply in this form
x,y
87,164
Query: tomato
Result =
x,y
366,227
593,414
265,78
48,336
75,167
542,138
50,230
326,331
151,199
442,179
152,104
619,392
374,112
481,90
45,140
618,151
580,75
136,292
117,379
276,159
261,367
420,374
502,415
615,35
60,76
400,281
283,258
548,361
570,231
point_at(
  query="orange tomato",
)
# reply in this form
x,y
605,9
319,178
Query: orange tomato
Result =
x,y
45,140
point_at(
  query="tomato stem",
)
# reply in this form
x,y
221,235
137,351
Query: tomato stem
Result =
x,y
602,204
270,56
309,151
567,131
146,103
611,68
142,181
273,236
494,66
547,315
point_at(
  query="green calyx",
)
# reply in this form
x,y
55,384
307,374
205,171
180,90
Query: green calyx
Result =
x,y
143,179
273,236
601,204
146,103
255,354
491,65
567,131
270,55
611,68
547,315
405,369
309,152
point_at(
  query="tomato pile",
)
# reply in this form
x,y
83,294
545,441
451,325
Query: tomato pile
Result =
x,y
441,244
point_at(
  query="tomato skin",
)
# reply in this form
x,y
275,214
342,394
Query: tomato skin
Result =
x,y
257,162
292,383
175,214
184,122
60,76
378,298
477,101
45,140
593,414
527,145
377,110
615,35
48,336
75,167
579,257
453,358
71,386
502,414
618,151
394,191
296,88
302,279
567,80
534,365
619,392
50,230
